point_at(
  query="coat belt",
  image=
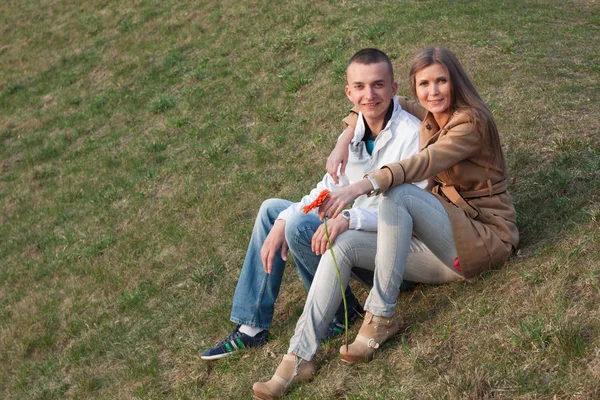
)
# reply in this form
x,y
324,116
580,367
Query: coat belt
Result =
x,y
458,198
491,190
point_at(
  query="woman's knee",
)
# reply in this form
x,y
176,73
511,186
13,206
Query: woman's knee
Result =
x,y
399,192
408,196
395,197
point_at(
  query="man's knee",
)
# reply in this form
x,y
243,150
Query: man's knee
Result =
x,y
271,208
270,204
299,224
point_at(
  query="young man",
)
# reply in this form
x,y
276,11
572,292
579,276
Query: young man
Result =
x,y
385,133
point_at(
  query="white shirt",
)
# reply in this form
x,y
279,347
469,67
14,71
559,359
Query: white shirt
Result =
x,y
398,140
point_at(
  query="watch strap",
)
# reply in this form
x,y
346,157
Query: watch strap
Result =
x,y
375,190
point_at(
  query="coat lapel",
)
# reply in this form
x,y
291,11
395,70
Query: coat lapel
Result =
x,y
430,131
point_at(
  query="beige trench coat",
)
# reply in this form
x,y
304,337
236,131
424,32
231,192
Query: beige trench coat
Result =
x,y
470,186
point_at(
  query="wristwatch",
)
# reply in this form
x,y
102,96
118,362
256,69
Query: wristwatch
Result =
x,y
375,190
346,215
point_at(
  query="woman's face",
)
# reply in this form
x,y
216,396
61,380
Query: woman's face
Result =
x,y
434,90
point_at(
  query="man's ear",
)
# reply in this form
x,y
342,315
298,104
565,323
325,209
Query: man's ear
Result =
x,y
348,93
395,87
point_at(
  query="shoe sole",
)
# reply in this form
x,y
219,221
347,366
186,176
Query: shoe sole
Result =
x,y
348,359
216,357
260,396
209,358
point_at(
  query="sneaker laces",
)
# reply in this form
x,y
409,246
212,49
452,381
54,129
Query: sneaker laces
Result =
x,y
234,335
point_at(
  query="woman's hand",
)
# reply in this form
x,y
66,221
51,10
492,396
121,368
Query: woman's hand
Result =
x,y
339,155
337,158
338,200
335,227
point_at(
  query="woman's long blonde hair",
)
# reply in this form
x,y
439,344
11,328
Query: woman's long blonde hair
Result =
x,y
464,95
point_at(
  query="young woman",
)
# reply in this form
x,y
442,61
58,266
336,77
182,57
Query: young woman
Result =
x,y
467,220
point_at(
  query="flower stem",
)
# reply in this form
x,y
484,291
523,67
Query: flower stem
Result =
x,y
337,270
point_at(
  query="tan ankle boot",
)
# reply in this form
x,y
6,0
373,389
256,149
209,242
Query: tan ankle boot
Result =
x,y
373,332
291,369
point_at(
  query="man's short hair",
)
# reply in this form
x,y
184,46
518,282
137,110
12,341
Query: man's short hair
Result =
x,y
372,56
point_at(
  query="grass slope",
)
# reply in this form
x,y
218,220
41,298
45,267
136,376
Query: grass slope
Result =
x,y
139,138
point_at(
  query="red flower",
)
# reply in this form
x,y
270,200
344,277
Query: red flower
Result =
x,y
317,202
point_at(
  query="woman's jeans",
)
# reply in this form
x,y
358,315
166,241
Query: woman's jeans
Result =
x,y
404,210
256,291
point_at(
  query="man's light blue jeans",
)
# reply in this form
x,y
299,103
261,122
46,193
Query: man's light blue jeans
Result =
x,y
256,291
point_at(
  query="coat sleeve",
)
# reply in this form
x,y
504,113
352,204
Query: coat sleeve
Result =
x,y
412,107
460,142
351,118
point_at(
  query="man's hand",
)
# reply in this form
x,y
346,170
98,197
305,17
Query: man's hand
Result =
x,y
339,155
275,240
338,200
335,227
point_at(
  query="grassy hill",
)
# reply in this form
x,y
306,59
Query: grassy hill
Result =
x,y
138,139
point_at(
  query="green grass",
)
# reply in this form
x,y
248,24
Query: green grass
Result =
x,y
138,141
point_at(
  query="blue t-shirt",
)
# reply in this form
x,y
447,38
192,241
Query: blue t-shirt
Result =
x,y
369,138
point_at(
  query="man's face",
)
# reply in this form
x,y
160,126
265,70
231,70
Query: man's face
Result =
x,y
371,88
